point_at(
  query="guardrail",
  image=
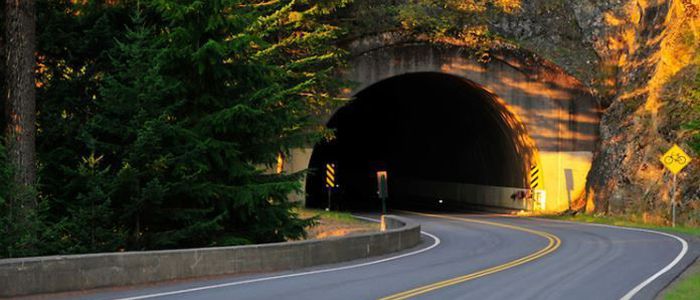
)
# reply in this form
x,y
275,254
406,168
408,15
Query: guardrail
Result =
x,y
51,274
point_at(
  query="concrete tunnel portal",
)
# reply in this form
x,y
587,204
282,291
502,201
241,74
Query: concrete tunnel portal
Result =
x,y
425,129
448,126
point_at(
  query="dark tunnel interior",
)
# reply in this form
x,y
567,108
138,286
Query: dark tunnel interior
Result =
x,y
424,126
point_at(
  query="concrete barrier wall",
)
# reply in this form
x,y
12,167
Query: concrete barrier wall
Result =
x,y
49,274
455,193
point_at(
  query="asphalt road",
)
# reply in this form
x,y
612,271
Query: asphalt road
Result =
x,y
477,257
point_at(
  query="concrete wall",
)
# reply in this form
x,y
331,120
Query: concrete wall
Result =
x,y
560,116
51,274
565,175
298,161
461,194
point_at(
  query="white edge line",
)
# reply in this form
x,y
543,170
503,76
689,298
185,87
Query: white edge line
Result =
x,y
435,244
639,287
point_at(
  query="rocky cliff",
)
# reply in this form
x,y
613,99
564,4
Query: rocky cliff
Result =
x,y
652,48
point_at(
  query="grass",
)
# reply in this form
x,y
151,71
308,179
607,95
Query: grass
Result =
x,y
688,288
623,221
334,224
333,215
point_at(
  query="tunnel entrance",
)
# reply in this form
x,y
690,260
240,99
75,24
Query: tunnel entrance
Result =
x,y
438,136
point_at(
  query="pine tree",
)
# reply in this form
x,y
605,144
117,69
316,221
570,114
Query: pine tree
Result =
x,y
5,209
142,141
22,238
159,123
196,111
196,108
90,219
73,41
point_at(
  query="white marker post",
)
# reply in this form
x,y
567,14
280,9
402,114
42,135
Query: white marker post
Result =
x,y
673,201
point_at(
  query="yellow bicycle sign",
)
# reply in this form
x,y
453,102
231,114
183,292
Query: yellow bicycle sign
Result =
x,y
675,159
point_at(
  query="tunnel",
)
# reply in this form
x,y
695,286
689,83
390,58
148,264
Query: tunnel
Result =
x,y
434,134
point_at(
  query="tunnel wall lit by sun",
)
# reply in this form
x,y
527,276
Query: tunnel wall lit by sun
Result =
x,y
550,119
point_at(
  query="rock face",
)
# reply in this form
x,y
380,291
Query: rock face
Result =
x,y
652,47
638,56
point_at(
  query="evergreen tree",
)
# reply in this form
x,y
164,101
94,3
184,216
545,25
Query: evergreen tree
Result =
x,y
159,121
89,224
5,178
73,41
5,209
198,106
141,139
24,238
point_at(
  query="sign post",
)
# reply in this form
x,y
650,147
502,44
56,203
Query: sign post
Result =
x,y
330,182
383,191
675,159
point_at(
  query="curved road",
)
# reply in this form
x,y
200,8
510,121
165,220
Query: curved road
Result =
x,y
472,257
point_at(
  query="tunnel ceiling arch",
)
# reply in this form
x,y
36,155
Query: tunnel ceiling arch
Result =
x,y
561,117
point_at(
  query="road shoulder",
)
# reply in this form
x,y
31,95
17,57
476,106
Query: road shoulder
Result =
x,y
682,286
687,284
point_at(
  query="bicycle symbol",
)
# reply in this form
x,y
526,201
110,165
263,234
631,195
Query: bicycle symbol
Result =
x,y
675,158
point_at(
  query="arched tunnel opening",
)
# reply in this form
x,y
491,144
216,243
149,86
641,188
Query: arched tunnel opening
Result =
x,y
439,137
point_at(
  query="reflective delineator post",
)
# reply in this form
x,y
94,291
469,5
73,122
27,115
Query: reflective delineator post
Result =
x,y
382,189
330,182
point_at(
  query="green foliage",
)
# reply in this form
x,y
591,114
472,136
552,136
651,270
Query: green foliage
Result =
x,y
89,224
10,239
695,142
245,95
17,234
467,23
694,125
5,177
635,221
687,288
158,122
334,215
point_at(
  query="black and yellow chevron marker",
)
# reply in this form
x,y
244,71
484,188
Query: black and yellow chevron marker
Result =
x,y
535,177
330,175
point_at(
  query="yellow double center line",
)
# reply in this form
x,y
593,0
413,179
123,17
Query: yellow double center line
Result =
x,y
553,243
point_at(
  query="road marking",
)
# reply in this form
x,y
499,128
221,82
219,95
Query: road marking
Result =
x,y
436,242
640,286
553,243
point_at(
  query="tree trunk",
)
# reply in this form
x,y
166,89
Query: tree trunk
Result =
x,y
19,98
